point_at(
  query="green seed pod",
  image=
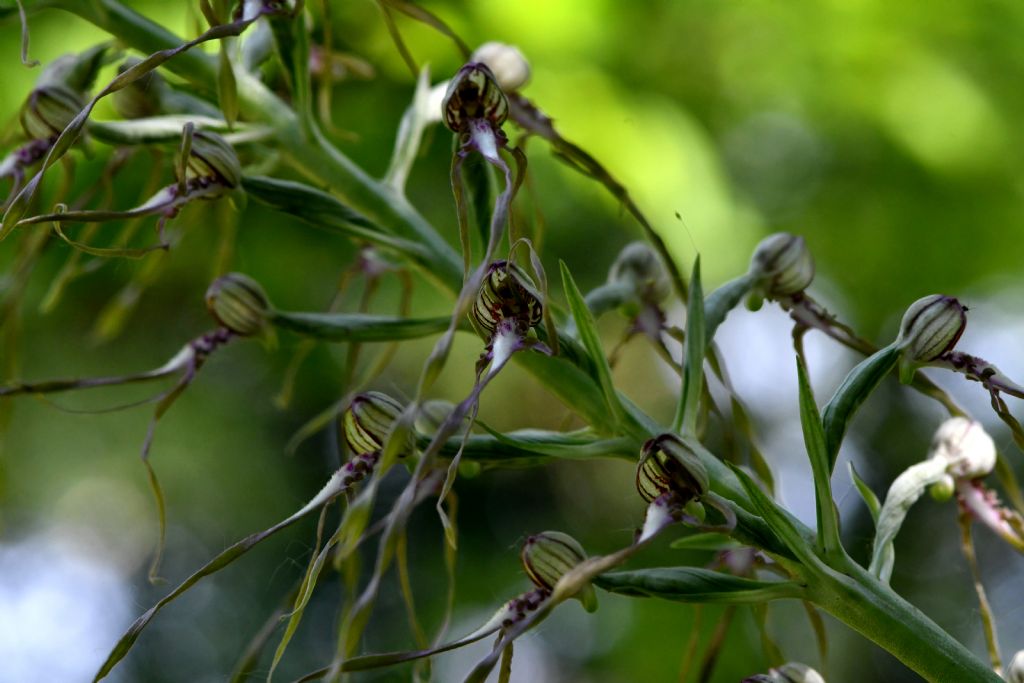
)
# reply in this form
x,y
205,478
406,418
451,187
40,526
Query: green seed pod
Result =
x,y
640,268
474,94
213,157
506,62
931,327
368,420
48,111
507,293
667,464
782,265
550,555
239,303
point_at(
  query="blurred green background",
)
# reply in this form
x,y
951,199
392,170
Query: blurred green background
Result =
x,y
887,134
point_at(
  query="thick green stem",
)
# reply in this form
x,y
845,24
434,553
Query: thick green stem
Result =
x,y
875,611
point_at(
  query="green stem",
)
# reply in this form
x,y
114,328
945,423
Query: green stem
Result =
x,y
875,611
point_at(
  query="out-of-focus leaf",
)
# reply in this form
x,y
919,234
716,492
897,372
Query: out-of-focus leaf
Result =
x,y
152,129
720,302
692,584
410,134
705,541
357,327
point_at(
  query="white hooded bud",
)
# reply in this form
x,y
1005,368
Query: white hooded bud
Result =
x,y
966,447
508,64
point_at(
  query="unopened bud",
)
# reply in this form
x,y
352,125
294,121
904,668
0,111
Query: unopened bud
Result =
x,y
48,111
966,447
550,555
213,157
1015,672
507,294
239,303
506,62
931,327
782,265
794,672
667,464
141,97
474,94
640,268
942,491
368,421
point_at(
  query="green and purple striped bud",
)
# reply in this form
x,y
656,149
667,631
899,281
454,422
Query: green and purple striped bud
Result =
x,y
213,157
930,329
668,465
474,94
239,303
640,268
782,266
550,555
507,296
368,420
48,111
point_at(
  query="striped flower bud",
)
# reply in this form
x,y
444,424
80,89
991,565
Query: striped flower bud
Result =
x,y
213,157
506,295
48,111
474,94
368,420
640,268
141,97
966,447
782,265
239,303
550,555
668,465
930,329
506,62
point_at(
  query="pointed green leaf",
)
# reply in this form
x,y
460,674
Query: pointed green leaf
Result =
x,y
410,134
692,584
866,494
854,390
587,329
814,442
696,346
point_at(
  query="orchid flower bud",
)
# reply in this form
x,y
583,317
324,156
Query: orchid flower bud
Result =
x,y
368,421
213,157
550,555
239,303
930,329
782,266
668,465
506,62
507,296
48,111
792,672
474,94
639,267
